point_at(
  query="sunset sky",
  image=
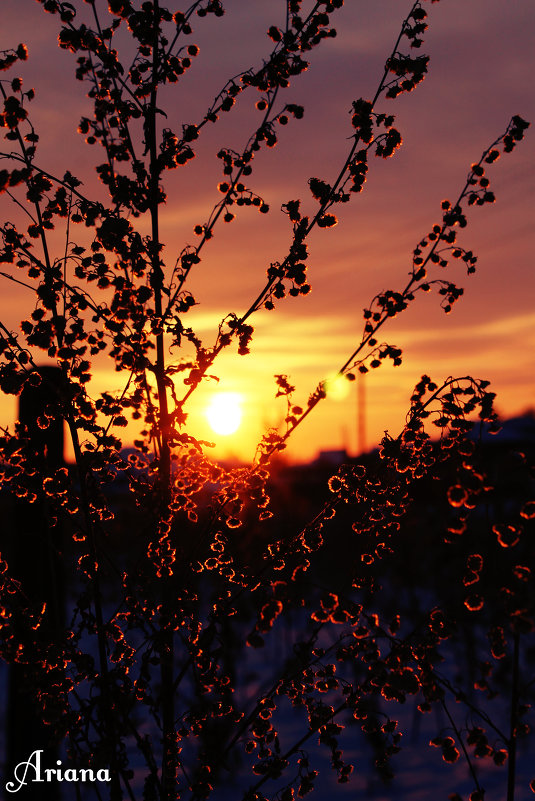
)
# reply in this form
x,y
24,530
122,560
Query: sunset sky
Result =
x,y
481,73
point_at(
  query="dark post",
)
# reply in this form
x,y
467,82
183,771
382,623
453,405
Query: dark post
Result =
x,y
35,561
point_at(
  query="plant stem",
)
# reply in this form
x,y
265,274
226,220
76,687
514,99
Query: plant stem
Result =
x,y
167,639
106,702
511,770
461,743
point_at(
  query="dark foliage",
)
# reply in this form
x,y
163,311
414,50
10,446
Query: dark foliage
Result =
x,y
183,570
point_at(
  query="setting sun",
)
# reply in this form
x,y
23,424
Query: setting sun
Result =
x,y
337,387
224,413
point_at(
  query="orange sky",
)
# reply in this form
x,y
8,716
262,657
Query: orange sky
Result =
x,y
481,68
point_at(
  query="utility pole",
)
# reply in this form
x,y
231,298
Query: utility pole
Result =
x,y
361,414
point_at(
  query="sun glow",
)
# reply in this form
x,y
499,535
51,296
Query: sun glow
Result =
x,y
224,413
337,387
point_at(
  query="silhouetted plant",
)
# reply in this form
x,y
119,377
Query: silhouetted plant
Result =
x,y
150,666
